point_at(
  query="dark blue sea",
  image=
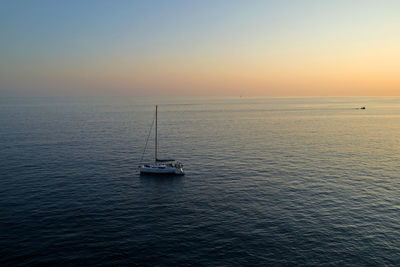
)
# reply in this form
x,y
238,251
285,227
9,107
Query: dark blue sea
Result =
x,y
269,181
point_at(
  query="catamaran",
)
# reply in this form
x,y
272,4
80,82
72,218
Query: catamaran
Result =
x,y
160,166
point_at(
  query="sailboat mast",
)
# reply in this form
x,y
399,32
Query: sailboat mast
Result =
x,y
156,137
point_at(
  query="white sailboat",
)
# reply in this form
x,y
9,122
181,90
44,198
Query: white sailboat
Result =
x,y
160,166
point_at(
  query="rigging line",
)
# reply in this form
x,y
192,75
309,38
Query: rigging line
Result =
x,y
147,140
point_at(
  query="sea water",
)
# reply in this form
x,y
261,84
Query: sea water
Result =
x,y
269,181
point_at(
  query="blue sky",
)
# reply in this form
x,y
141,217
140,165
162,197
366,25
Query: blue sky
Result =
x,y
195,47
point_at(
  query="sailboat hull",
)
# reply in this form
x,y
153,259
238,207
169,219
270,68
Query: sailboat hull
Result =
x,y
148,169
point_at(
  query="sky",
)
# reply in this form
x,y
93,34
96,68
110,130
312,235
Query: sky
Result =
x,y
200,48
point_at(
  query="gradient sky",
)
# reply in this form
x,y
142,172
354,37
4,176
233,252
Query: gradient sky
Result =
x,y
200,48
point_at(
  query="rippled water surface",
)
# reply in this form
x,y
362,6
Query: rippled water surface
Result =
x,y
305,181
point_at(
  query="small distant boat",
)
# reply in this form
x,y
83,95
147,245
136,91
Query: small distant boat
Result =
x,y
160,166
362,108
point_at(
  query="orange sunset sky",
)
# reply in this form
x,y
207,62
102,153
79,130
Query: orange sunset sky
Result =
x,y
200,48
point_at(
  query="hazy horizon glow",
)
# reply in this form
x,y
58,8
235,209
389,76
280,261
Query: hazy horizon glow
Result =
x,y
200,48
